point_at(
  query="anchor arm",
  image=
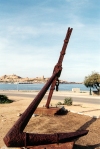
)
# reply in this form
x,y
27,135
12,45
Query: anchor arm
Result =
x,y
29,139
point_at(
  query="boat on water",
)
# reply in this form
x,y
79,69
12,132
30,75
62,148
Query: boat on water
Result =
x,y
25,83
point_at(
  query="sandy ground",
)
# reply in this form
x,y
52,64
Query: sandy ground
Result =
x,y
80,116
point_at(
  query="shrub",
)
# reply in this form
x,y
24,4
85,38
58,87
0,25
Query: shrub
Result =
x,y
59,103
68,101
4,99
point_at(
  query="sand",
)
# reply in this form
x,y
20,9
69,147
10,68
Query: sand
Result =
x,y
80,116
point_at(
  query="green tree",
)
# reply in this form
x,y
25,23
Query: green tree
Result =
x,y
93,81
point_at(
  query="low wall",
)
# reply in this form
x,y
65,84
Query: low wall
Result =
x,y
77,90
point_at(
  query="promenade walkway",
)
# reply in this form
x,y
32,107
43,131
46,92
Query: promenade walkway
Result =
x,y
89,109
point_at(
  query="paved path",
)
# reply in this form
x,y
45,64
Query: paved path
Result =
x,y
77,97
83,103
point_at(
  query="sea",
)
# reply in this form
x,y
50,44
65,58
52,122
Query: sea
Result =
x,y
39,86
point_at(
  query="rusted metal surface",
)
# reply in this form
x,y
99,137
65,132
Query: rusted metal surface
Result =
x,y
17,138
16,134
55,82
28,139
51,111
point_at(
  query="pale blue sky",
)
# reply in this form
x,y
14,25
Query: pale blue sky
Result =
x,y
32,34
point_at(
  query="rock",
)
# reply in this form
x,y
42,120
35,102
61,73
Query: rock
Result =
x,y
19,114
34,115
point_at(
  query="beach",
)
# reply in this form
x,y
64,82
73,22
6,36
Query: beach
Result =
x,y
80,116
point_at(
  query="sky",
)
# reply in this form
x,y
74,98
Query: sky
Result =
x,y
32,34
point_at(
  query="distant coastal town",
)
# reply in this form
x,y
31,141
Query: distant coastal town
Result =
x,y
17,79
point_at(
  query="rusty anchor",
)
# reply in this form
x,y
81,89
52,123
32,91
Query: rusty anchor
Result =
x,y
17,138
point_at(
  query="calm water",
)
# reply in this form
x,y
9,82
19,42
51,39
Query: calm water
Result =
x,y
62,87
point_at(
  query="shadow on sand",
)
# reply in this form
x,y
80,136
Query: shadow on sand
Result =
x,y
96,146
84,127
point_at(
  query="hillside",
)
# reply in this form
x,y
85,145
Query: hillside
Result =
x,y
17,79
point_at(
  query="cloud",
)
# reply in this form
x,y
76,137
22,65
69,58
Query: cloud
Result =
x,y
31,37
